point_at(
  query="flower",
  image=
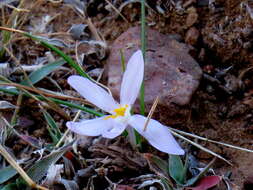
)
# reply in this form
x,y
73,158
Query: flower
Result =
x,y
111,126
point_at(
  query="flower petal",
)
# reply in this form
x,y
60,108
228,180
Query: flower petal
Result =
x,y
118,128
157,135
91,127
93,93
132,79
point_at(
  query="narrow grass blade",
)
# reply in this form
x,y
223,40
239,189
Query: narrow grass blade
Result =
x,y
62,102
7,173
143,48
123,63
46,44
67,58
53,129
41,73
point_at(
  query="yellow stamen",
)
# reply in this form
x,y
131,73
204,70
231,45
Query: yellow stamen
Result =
x,y
119,112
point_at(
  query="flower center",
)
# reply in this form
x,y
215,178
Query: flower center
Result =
x,y
122,111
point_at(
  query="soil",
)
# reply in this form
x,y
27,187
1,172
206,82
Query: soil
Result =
x,y
221,111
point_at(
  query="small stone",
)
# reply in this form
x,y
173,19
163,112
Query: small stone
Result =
x,y
170,71
192,36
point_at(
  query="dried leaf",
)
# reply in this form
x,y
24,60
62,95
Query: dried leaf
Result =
x,y
69,184
124,187
31,140
206,183
196,178
4,2
6,105
53,174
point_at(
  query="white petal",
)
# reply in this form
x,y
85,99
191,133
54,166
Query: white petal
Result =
x,y
91,127
157,135
93,93
118,128
132,79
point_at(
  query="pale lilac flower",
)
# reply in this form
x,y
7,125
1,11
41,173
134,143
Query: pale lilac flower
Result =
x,y
113,125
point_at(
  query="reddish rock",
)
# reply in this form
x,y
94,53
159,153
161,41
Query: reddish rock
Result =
x,y
170,71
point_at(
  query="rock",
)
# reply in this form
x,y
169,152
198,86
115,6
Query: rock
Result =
x,y
192,36
170,71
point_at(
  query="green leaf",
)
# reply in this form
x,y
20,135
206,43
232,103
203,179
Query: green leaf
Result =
x,y
41,73
7,173
143,48
39,169
176,169
11,186
53,129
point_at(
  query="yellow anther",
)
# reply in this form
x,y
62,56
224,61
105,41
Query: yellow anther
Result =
x,y
119,112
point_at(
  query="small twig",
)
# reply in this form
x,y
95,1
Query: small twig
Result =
x,y
200,147
18,64
55,1
151,112
17,9
16,112
93,30
67,131
15,165
216,82
114,8
211,141
44,93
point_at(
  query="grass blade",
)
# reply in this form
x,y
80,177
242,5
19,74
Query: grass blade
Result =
x,y
53,129
143,48
39,169
7,173
44,43
41,73
62,102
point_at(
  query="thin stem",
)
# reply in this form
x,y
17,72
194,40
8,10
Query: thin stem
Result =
x,y
67,131
66,103
151,113
143,48
16,112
